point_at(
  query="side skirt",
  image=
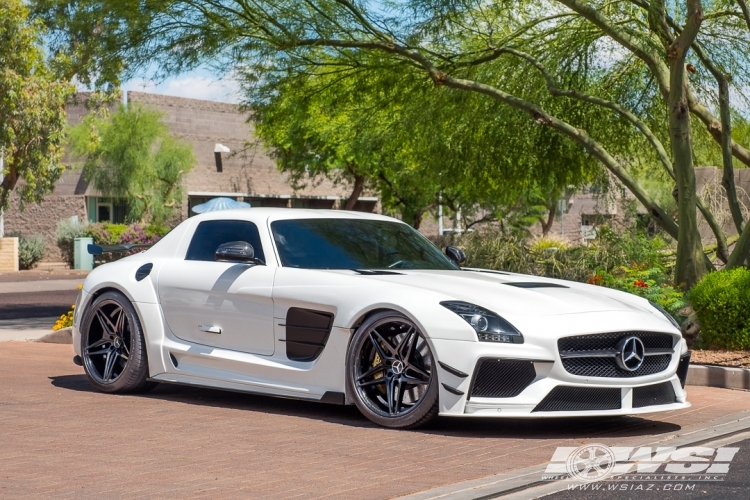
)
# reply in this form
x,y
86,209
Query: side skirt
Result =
x,y
191,381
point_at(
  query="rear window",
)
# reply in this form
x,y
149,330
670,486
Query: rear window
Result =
x,y
212,233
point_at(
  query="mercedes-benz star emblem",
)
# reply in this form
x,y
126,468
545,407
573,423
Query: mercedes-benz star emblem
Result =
x,y
630,353
397,367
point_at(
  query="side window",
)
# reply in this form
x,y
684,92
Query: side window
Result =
x,y
210,234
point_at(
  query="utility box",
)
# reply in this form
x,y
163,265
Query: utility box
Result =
x,y
8,254
82,259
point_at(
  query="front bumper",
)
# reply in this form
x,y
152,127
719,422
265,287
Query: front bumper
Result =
x,y
458,375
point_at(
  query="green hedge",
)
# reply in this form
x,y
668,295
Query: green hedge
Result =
x,y
721,301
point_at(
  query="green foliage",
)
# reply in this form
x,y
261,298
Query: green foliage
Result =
x,y
652,284
131,155
65,234
31,249
32,108
721,301
628,261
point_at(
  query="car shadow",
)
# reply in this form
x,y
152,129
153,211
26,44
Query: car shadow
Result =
x,y
535,428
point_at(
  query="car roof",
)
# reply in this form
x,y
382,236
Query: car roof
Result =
x,y
272,214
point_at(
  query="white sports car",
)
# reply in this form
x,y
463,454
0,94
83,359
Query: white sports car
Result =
x,y
346,307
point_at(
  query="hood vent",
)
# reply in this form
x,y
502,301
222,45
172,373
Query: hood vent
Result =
x,y
535,284
376,272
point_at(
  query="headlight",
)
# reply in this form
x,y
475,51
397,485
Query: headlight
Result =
x,y
489,326
665,313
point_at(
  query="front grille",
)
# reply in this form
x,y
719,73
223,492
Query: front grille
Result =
x,y
657,394
563,398
597,341
501,378
606,366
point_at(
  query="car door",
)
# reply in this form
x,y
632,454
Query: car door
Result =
x,y
220,304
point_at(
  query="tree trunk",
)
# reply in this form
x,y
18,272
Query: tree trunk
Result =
x,y
547,226
690,264
359,184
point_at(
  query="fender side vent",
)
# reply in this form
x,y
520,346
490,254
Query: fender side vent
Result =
x,y
563,398
657,394
501,378
143,271
174,360
306,333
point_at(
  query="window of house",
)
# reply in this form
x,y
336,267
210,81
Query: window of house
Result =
x,y
210,234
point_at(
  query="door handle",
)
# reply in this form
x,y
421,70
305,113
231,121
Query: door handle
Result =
x,y
209,329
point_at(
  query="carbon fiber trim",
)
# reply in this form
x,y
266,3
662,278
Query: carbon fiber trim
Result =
x,y
651,395
600,341
563,398
606,367
501,378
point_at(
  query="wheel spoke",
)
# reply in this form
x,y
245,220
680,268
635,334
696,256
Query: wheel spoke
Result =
x,y
109,365
413,381
404,341
377,345
120,323
107,325
387,344
423,374
376,381
101,351
96,344
372,371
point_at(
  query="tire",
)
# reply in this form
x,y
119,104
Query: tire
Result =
x,y
388,346
112,346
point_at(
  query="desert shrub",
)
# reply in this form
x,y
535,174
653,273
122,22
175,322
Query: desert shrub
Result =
x,y
629,261
721,301
31,250
65,234
609,252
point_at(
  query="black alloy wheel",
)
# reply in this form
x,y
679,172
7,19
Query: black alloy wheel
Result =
x,y
391,372
114,355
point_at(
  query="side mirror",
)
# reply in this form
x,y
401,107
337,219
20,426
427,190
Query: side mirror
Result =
x,y
455,254
235,251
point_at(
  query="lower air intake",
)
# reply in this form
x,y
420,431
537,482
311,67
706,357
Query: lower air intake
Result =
x,y
563,398
501,378
651,395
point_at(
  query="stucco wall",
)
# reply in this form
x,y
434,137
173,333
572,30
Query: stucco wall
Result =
x,y
43,218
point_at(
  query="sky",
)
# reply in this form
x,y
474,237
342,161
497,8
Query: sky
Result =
x,y
198,84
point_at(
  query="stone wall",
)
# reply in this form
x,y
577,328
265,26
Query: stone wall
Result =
x,y
43,218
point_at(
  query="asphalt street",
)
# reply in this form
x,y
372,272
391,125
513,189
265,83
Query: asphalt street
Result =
x,y
35,304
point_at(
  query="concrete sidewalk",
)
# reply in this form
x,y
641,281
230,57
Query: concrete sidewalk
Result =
x,y
40,285
26,329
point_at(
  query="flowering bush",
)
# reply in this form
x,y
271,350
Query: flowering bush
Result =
x,y
652,284
124,234
66,320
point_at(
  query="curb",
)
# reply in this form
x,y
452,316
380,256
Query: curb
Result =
x,y
62,336
719,376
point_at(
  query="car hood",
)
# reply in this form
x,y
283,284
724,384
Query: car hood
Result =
x,y
516,294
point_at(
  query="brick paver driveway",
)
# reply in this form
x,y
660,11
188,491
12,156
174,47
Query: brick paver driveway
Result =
x,y
58,438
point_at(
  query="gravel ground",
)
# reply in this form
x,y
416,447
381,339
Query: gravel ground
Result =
x,y
739,359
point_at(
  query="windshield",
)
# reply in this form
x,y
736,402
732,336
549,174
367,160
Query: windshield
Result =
x,y
355,244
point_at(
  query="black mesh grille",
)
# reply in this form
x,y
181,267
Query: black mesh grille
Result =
x,y
658,394
650,340
607,367
499,378
563,398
